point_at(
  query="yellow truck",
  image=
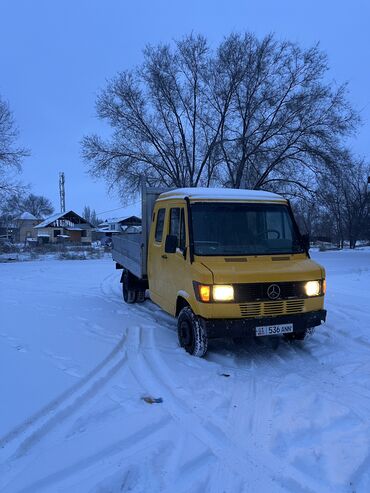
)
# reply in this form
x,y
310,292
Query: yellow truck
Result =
x,y
225,262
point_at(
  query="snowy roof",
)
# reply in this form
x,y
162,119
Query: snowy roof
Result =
x,y
117,220
50,219
223,194
27,216
124,218
126,212
60,215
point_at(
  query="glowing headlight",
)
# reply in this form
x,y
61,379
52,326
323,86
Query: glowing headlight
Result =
x,y
312,288
223,293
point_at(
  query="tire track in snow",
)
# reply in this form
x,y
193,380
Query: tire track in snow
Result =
x,y
211,434
325,376
126,447
321,376
23,437
349,337
148,308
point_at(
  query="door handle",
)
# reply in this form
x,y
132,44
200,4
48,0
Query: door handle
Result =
x,y
164,256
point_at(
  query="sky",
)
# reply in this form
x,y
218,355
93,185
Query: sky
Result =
x,y
56,55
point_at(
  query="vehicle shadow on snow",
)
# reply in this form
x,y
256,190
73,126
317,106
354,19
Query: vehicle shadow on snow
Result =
x,y
257,350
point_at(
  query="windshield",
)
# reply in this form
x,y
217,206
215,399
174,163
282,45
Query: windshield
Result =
x,y
243,229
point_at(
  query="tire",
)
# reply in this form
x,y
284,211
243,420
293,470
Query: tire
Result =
x,y
129,294
192,333
272,342
140,296
296,336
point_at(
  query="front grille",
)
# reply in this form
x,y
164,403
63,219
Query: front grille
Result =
x,y
271,308
258,291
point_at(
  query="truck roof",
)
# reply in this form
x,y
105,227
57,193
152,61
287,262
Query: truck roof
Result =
x,y
222,194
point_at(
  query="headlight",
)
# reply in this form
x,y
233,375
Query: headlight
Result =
x,y
209,293
223,293
312,288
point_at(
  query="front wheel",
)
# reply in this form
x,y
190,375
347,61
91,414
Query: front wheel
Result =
x,y
192,333
299,336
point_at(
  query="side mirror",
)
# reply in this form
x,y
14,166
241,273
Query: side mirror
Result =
x,y
306,241
170,244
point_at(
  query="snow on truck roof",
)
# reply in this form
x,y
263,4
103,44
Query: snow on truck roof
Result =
x,y
223,194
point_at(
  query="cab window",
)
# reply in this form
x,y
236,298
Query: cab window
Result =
x,y
160,224
177,226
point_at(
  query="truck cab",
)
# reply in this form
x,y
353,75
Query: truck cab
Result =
x,y
229,263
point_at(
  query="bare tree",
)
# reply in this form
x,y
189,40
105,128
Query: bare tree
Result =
x,y
343,191
165,125
283,118
37,205
90,215
11,155
256,113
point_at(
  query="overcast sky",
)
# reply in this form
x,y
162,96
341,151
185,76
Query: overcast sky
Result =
x,y
55,55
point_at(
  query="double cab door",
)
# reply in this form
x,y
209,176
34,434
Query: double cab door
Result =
x,y
167,272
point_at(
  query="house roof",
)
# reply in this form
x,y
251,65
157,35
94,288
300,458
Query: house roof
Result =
x,y
222,194
132,210
125,218
27,216
70,216
116,220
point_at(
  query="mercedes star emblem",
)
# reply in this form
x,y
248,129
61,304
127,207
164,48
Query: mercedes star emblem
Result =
x,y
273,291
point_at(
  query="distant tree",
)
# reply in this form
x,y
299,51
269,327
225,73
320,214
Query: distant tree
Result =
x,y
11,155
86,213
37,205
90,216
344,194
255,113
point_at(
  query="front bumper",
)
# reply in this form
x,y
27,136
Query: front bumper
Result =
x,y
244,327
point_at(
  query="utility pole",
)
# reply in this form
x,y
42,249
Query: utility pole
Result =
x,y
62,193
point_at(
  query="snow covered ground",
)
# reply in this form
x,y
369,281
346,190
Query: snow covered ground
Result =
x,y
75,363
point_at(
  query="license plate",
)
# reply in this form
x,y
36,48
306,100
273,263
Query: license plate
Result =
x,y
274,330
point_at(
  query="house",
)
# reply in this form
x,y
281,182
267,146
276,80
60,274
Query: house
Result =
x,y
119,225
8,230
129,221
25,224
64,227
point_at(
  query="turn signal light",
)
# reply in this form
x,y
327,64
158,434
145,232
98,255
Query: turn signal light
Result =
x,y
204,292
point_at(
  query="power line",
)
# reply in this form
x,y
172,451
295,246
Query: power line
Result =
x,y
118,208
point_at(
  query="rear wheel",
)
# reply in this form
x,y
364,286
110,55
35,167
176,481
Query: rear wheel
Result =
x,y
192,333
128,290
140,295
